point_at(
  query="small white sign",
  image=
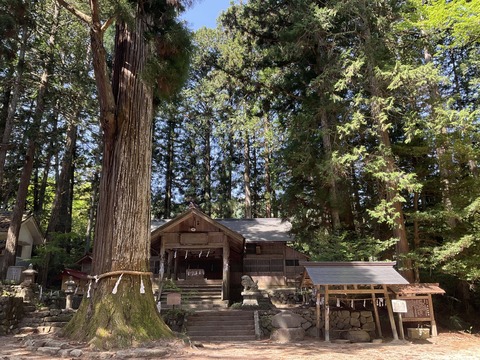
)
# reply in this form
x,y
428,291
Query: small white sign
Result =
x,y
399,306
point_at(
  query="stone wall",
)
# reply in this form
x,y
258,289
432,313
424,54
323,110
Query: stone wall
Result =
x,y
11,311
340,322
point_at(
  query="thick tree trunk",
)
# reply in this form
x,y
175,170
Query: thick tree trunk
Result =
x,y
246,178
17,213
169,161
331,180
121,308
379,121
12,106
208,170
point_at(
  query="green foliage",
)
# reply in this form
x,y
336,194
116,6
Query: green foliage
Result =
x,y
62,251
345,247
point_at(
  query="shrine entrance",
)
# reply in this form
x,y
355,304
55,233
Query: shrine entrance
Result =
x,y
191,264
195,248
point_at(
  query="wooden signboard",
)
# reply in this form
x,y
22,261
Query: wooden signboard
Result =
x,y
418,309
174,299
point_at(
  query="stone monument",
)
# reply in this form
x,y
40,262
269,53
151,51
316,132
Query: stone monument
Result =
x,y
250,291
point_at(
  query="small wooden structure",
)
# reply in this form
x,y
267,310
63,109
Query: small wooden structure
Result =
x,y
193,247
357,277
418,298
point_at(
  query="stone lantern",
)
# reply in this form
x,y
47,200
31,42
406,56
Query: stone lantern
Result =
x,y
29,275
71,286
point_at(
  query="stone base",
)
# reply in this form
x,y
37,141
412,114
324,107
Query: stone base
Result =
x,y
250,298
288,335
356,336
418,333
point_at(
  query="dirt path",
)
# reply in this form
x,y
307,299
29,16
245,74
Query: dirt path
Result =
x,y
445,346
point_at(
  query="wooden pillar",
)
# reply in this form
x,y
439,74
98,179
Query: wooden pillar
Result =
x,y
175,264
327,315
162,268
390,313
317,304
400,325
432,316
226,269
168,272
377,317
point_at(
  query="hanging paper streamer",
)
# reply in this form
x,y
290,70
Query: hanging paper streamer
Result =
x,y
352,305
208,253
89,288
175,254
364,303
338,302
142,287
115,288
200,255
186,254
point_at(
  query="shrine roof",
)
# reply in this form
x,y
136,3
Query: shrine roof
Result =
x,y
416,289
352,273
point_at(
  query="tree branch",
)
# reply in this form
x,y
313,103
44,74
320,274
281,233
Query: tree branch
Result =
x,y
107,24
80,15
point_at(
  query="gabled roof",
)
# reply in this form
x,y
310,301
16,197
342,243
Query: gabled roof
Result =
x,y
260,229
28,221
252,230
75,274
352,273
166,224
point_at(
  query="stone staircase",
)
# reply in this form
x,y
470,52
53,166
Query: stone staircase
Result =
x,y
221,325
43,320
198,294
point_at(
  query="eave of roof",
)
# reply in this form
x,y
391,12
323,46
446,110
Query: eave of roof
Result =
x,y
353,273
252,230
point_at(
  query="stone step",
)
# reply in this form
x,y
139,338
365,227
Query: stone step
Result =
x,y
226,338
226,325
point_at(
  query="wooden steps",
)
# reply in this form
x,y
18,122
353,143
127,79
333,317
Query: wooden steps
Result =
x,y
222,325
200,294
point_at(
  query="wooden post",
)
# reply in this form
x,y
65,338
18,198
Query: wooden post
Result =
x,y
168,272
390,313
377,317
226,268
432,316
317,305
175,264
327,316
162,267
400,324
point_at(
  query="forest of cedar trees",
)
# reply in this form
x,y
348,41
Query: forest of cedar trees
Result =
x,y
358,120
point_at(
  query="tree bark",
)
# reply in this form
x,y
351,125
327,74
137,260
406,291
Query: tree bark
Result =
x,y
376,94
169,162
12,106
121,308
17,214
246,178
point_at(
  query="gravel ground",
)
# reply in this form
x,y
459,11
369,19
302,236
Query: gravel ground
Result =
x,y
448,345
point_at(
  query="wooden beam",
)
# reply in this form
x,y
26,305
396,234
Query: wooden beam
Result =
x,y
162,268
390,313
432,316
226,269
377,317
317,307
327,315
